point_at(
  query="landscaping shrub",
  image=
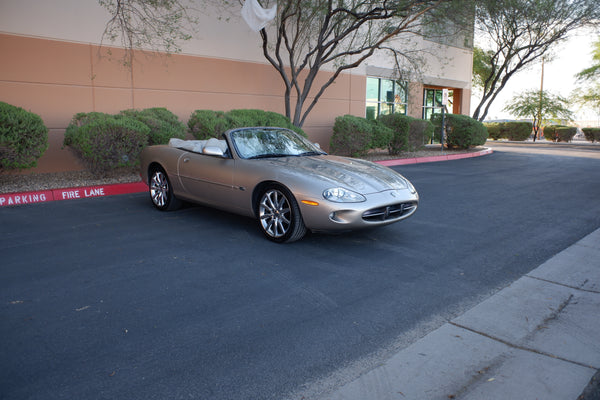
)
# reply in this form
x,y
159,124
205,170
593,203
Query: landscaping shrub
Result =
x,y
382,135
592,134
410,133
419,134
494,130
462,131
511,130
205,124
400,125
516,130
23,137
105,141
352,136
559,133
565,134
163,124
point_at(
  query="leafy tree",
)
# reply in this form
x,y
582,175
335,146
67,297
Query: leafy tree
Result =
x,y
306,37
589,96
516,33
540,107
593,72
482,67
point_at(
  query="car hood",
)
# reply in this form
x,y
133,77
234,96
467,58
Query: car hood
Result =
x,y
361,176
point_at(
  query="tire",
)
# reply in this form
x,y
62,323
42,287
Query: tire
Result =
x,y
161,191
279,215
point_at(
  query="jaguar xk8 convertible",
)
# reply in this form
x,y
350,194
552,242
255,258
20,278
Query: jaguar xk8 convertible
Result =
x,y
278,177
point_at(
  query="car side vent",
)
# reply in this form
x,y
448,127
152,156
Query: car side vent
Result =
x,y
391,212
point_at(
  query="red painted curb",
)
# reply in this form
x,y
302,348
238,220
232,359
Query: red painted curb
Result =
x,y
44,196
447,157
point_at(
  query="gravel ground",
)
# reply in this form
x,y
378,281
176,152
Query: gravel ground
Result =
x,y
10,183
23,182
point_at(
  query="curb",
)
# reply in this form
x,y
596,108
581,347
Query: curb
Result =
x,y
446,157
45,196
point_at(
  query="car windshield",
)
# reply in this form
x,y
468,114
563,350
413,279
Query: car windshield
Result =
x,y
271,142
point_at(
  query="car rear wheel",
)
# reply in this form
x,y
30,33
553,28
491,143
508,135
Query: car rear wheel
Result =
x,y
161,191
279,215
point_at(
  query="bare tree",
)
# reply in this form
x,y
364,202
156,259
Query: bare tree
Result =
x,y
306,37
158,25
311,35
516,33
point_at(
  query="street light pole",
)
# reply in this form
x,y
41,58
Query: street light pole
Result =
x,y
541,99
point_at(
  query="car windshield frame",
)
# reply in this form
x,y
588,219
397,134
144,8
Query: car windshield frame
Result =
x,y
267,142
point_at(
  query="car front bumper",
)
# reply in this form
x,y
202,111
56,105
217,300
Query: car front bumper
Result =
x,y
381,208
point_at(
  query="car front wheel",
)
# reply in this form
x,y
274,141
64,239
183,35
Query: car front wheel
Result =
x,y
161,191
279,215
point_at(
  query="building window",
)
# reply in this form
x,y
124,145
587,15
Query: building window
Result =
x,y
432,102
386,96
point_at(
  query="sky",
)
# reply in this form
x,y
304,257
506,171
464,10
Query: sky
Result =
x,y
559,76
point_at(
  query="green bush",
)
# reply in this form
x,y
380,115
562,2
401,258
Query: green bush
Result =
x,y
516,130
382,135
494,130
23,137
592,134
400,125
352,136
410,133
204,124
462,131
105,141
511,130
566,134
419,134
559,133
163,124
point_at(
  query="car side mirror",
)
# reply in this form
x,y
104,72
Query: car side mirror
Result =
x,y
213,151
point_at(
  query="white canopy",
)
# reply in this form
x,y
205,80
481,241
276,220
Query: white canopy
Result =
x,y
257,17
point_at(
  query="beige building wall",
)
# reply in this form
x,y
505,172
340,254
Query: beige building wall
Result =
x,y
57,79
53,64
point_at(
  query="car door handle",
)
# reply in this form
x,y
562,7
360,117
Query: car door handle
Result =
x,y
186,159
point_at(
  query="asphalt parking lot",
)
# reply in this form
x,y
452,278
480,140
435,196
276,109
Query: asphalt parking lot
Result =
x,y
109,298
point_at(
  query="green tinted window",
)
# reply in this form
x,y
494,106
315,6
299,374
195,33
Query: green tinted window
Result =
x,y
385,96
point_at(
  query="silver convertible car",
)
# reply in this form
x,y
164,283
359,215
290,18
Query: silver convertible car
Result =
x,y
278,177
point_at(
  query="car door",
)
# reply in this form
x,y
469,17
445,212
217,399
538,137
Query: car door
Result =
x,y
207,179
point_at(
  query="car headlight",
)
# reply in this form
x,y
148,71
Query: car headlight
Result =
x,y
410,186
341,195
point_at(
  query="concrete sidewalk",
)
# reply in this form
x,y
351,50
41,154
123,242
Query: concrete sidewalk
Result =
x,y
539,338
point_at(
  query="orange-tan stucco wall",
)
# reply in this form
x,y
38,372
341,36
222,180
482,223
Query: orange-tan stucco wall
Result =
x,y
57,79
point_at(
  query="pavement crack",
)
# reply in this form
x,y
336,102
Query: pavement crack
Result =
x,y
565,285
520,347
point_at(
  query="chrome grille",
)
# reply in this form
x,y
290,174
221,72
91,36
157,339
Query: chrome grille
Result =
x,y
393,211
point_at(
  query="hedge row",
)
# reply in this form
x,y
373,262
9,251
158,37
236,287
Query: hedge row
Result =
x,y
559,133
461,132
107,141
355,136
511,130
23,137
592,134
206,124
